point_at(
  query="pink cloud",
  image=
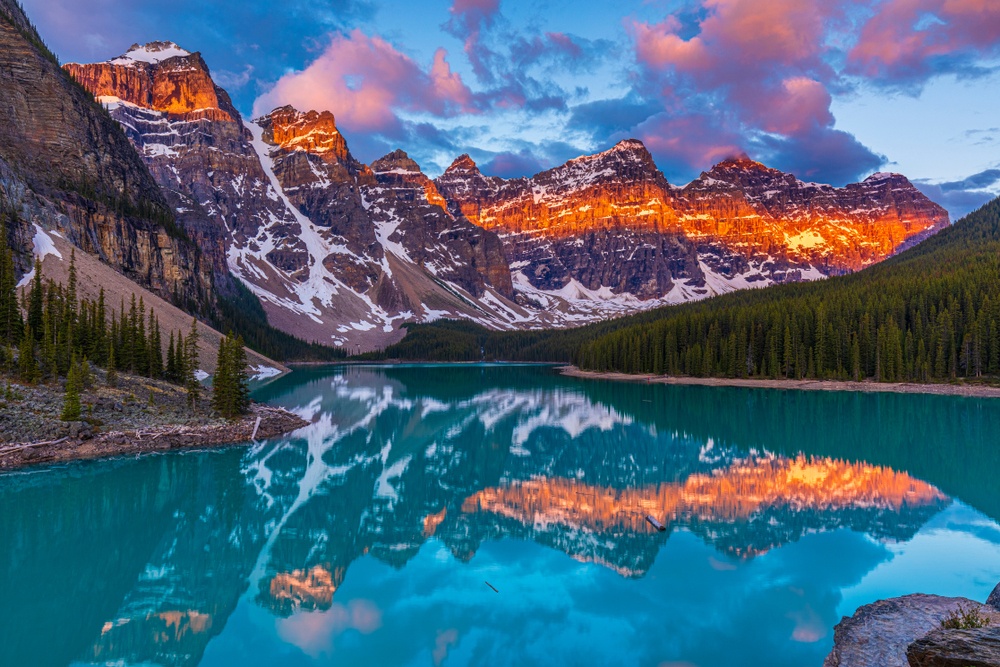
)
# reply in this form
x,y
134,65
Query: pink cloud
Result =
x,y
752,75
314,632
366,82
444,641
468,20
762,61
904,35
690,139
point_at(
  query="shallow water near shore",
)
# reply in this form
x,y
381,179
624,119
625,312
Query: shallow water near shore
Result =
x,y
496,514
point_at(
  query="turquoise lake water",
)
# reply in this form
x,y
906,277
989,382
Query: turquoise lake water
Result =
x,y
377,535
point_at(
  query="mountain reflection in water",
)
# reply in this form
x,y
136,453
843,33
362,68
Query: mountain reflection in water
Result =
x,y
171,552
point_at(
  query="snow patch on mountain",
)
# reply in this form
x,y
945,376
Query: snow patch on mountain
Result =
x,y
151,53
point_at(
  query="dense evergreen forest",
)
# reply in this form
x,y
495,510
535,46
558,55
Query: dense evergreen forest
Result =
x,y
929,314
56,333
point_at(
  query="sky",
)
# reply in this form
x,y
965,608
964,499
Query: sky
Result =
x,y
830,90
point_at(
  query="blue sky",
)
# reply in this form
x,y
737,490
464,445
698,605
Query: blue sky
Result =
x,y
830,90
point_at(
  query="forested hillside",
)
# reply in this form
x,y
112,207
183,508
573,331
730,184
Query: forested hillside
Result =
x,y
929,314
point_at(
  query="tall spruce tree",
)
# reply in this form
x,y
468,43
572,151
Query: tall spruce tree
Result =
x,y
36,303
74,385
191,364
27,364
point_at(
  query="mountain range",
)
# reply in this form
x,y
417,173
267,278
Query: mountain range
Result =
x,y
344,253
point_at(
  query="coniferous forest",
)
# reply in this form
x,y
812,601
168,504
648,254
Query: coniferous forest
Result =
x,y
930,314
61,334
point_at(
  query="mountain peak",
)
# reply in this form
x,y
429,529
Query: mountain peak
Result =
x,y
395,162
313,132
152,53
885,176
741,162
160,76
463,164
628,145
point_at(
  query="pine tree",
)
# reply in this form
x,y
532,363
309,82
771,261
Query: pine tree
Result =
x,y
171,371
36,305
27,364
191,364
71,401
112,376
154,351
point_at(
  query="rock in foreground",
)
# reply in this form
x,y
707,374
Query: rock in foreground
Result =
x,y
879,633
979,647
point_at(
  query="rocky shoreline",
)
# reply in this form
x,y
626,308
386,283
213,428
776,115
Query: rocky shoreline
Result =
x,y
134,416
970,390
273,422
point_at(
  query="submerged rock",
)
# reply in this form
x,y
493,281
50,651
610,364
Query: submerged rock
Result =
x,y
879,633
978,647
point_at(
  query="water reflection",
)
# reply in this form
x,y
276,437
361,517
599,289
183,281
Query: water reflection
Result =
x,y
412,482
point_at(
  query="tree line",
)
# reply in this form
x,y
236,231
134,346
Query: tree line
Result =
x,y
51,333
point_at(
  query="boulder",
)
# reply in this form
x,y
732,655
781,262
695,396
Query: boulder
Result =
x,y
879,633
957,648
994,599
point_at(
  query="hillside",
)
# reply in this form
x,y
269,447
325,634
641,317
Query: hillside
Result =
x,y
931,313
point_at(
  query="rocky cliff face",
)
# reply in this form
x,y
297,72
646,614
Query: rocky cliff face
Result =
x,y
66,166
610,223
336,253
160,76
411,215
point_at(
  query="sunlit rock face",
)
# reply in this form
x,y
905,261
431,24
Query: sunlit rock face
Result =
x,y
160,76
412,217
335,252
612,221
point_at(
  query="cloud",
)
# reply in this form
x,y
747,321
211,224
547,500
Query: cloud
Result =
x,y
231,34
685,144
314,632
469,18
367,83
964,196
750,76
908,40
512,165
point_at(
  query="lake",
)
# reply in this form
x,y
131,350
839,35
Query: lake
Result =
x,y
496,515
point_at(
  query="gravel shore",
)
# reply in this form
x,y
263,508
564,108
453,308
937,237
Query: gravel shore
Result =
x,y
973,390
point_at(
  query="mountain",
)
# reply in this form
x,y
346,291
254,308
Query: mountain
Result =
x,y
611,224
928,314
344,253
64,164
336,251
